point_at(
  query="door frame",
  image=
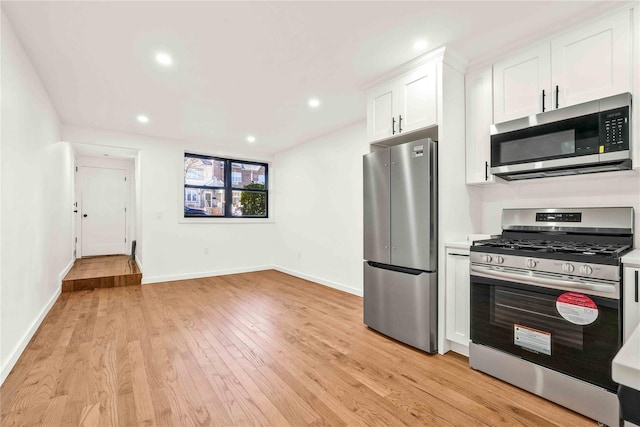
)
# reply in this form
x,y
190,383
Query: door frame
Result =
x,y
105,163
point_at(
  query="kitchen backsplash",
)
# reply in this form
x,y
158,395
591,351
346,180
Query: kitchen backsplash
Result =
x,y
606,189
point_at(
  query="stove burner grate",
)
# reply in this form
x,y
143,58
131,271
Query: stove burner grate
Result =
x,y
551,246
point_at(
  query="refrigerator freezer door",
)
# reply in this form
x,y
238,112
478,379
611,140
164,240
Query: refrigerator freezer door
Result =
x,y
377,228
413,205
402,305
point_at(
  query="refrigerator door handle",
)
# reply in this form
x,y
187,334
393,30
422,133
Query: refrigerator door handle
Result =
x,y
396,268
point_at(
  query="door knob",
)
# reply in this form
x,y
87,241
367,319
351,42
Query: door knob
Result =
x,y
85,215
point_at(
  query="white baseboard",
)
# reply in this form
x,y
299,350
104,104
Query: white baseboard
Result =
x,y
321,281
186,276
460,348
139,262
66,270
17,352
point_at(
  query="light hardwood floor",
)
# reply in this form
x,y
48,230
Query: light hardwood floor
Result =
x,y
259,348
110,271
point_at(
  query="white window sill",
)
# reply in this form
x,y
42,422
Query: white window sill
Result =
x,y
182,220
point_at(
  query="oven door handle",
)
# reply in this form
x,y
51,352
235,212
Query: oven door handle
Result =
x,y
528,279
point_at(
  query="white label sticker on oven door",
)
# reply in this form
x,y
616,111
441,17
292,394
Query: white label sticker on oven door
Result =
x,y
577,308
418,151
532,339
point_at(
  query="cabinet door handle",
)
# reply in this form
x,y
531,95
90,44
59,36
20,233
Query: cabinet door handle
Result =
x,y
393,125
455,254
636,285
486,171
543,96
557,94
400,123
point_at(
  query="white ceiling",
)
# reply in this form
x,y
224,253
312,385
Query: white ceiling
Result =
x,y
249,67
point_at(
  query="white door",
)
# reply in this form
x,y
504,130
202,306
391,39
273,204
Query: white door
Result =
x,y
592,61
417,107
103,211
380,114
479,117
518,84
457,297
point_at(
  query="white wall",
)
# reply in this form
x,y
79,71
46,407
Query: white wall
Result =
x,y
36,202
170,247
602,189
318,206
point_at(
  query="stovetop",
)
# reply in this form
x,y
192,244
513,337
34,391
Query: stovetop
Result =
x,y
553,246
586,235
580,251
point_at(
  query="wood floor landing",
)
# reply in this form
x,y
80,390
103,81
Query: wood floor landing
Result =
x,y
258,348
110,271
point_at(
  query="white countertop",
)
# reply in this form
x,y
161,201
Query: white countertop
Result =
x,y
458,245
625,369
632,257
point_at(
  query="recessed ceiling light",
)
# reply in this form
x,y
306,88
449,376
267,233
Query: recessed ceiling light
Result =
x,y
142,118
251,138
420,45
164,58
314,102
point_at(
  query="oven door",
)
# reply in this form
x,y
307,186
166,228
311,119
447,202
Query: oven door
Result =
x,y
570,332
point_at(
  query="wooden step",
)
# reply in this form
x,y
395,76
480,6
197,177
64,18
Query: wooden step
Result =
x,y
109,271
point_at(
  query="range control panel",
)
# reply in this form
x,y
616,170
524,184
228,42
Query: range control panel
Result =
x,y
614,130
559,217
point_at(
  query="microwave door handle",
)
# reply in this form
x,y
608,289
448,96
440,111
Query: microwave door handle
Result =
x,y
528,279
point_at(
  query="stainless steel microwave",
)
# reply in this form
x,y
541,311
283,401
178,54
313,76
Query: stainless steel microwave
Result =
x,y
584,138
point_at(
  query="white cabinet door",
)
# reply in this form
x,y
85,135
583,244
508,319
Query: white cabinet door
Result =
x,y
457,297
380,105
417,99
630,298
592,61
519,82
404,104
479,117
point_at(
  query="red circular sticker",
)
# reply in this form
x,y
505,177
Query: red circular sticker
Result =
x,y
577,308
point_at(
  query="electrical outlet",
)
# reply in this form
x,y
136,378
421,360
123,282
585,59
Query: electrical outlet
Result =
x,y
299,255
206,251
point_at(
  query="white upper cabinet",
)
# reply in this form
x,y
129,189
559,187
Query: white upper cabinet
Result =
x,y
588,62
479,117
403,104
592,61
417,103
380,113
522,83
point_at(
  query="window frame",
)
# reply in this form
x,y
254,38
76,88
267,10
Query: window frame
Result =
x,y
228,188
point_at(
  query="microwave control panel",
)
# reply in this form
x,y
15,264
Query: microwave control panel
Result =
x,y
614,130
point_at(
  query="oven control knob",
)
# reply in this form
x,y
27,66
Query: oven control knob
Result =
x,y
499,260
487,258
531,263
568,267
586,270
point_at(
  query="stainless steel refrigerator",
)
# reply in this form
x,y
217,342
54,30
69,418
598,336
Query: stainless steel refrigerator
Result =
x,y
400,243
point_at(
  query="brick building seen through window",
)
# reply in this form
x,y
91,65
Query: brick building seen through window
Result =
x,y
219,187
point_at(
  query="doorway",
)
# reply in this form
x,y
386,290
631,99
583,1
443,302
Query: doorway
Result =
x,y
103,200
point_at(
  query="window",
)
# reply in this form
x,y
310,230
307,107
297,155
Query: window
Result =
x,y
224,188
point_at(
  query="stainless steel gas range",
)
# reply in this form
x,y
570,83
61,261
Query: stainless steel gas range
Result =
x,y
546,304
